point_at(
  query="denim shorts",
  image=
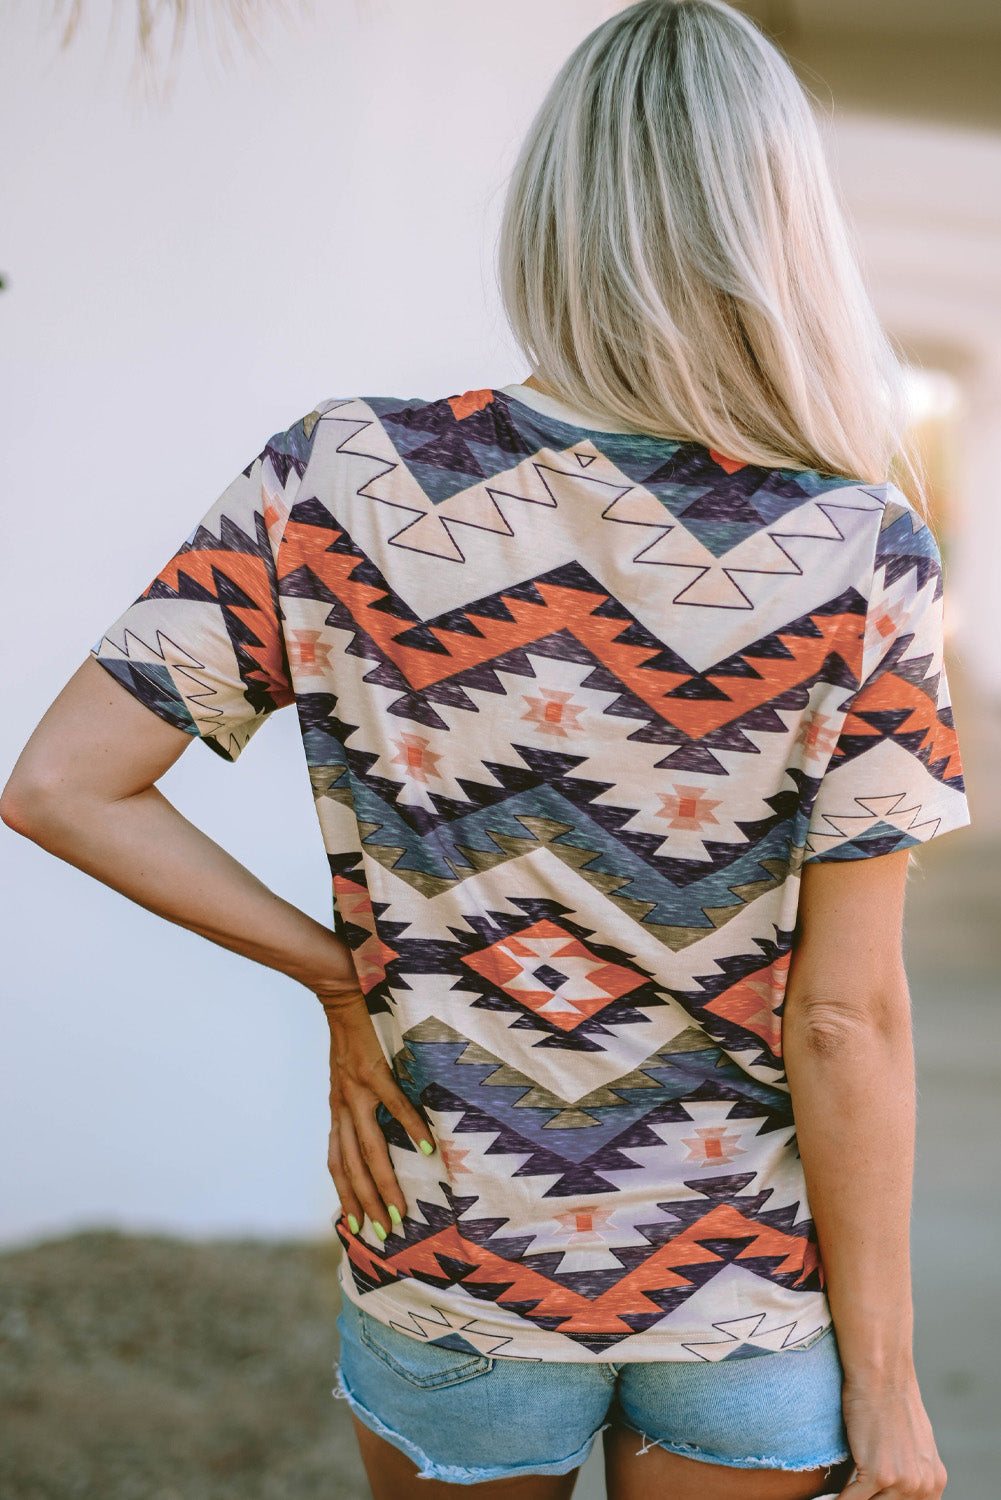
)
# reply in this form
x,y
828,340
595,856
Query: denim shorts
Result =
x,y
465,1418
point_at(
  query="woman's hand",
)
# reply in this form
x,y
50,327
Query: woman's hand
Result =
x,y
361,1079
891,1441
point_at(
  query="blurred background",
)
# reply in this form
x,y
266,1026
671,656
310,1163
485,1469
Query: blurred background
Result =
x,y
199,242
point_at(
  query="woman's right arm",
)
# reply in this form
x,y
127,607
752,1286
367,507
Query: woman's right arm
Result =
x,y
846,1039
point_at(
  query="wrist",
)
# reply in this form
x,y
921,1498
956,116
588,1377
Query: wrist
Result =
x,y
861,1390
325,965
878,1368
336,999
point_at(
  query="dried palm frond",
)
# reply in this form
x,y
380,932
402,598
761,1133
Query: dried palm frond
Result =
x,y
218,21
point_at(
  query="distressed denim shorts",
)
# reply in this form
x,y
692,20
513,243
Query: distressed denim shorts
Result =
x,y
465,1418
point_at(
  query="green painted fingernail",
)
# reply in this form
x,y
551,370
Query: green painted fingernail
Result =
x,y
394,1214
353,1224
378,1229
427,1148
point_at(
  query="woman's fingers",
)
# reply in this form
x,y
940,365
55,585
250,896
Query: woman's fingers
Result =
x,y
359,1065
399,1106
361,1179
858,1489
361,1078
363,1162
375,1150
347,1197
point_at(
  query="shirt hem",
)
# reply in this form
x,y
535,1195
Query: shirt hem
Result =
x,y
417,1315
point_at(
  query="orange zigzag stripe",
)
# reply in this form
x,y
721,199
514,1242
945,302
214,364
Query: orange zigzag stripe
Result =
x,y
602,1314
250,575
571,609
894,693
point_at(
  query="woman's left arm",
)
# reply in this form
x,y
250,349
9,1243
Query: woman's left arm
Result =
x,y
83,788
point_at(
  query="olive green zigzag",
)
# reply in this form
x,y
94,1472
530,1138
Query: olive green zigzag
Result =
x,y
570,1116
544,832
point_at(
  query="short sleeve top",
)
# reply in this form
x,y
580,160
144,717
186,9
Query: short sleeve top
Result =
x,y
577,705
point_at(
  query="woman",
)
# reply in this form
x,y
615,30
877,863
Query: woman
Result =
x,y
622,695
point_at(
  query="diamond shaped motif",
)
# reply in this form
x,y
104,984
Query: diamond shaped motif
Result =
x,y
551,978
553,974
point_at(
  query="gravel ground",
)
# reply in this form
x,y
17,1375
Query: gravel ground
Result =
x,y
147,1368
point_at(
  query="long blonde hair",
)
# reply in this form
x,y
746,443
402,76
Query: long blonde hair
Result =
x,y
672,252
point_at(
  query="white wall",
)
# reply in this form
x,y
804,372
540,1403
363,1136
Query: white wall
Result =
x,y
183,282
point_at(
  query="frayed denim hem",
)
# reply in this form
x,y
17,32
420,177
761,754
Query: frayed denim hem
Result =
x,y
687,1450
453,1473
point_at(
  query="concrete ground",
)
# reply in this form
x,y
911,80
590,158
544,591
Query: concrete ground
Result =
x,y
145,1368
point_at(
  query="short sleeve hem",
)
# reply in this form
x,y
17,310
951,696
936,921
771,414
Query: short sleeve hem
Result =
x,y
894,779
881,835
203,646
151,685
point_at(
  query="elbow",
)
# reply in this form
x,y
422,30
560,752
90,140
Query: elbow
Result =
x,y
26,808
828,1028
14,808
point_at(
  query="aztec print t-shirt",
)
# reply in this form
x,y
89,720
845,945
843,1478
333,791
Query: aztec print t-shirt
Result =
x,y
577,705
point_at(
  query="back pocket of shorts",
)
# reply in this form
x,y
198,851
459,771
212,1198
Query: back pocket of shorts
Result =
x,y
426,1365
